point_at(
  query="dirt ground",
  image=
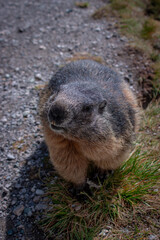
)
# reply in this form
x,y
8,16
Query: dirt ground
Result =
x,y
36,37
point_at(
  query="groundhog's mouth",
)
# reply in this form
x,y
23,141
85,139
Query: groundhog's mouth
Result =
x,y
57,128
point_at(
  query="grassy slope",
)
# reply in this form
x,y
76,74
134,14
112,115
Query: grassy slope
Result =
x,y
142,29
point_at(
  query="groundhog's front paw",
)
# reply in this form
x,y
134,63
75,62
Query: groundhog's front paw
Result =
x,y
78,191
101,175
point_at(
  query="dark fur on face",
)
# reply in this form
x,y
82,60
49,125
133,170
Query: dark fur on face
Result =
x,y
77,110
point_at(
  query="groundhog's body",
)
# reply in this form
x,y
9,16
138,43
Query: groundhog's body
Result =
x,y
89,115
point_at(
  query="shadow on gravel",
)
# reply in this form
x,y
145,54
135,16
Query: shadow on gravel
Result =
x,y
26,197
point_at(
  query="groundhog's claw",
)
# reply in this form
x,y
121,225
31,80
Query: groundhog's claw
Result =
x,y
102,175
78,191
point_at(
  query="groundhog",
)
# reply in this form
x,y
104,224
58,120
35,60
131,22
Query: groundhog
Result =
x,y
89,115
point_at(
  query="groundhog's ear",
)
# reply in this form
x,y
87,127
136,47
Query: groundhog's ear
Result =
x,y
102,105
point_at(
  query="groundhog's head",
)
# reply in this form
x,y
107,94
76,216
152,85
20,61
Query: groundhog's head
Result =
x,y
77,111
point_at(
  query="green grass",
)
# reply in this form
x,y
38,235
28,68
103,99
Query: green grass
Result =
x,y
131,187
149,28
82,4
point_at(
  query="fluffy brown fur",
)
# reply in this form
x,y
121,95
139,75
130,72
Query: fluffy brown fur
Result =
x,y
76,134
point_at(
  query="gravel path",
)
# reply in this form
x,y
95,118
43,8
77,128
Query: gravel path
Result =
x,y
35,38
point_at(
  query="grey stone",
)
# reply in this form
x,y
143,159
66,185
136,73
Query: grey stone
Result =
x,y
1,71
31,80
155,190
10,156
7,75
28,212
18,210
15,42
18,186
152,237
39,192
69,10
33,188
97,29
17,69
13,201
4,119
38,76
125,230
104,232
40,207
35,41
26,113
42,47
77,208
109,35
23,191
8,185
23,26
36,199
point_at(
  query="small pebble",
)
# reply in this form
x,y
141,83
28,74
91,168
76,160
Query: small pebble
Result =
x,y
38,76
40,207
69,10
104,232
18,186
18,210
109,35
36,199
42,47
31,80
155,190
77,208
10,156
10,232
7,75
152,237
4,119
26,113
39,192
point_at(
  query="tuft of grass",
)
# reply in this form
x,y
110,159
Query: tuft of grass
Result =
x,y
149,28
82,4
39,87
101,13
85,55
118,197
156,67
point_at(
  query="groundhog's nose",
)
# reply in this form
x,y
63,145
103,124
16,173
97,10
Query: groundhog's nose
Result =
x,y
57,115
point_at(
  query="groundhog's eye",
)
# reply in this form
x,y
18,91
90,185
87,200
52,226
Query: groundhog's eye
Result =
x,y
87,108
102,105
